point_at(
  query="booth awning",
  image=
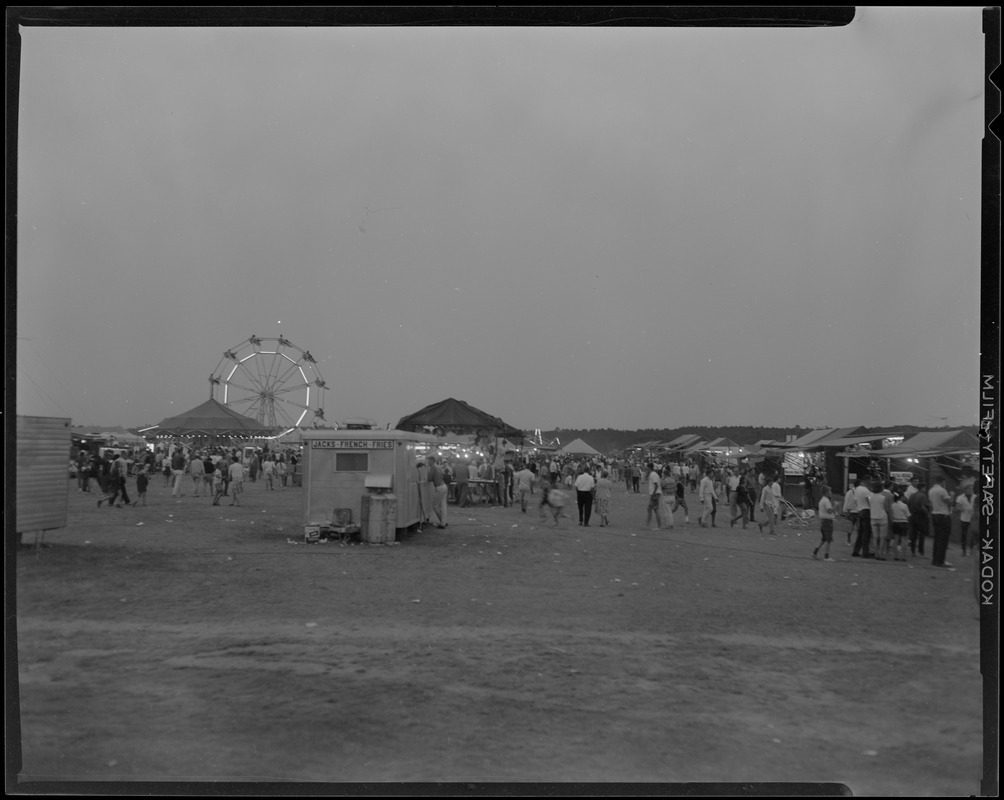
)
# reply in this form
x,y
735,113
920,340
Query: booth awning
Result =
x,y
819,438
927,444
683,442
850,441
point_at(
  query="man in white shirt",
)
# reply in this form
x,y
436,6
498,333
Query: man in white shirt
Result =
x,y
268,472
197,469
584,485
117,483
914,483
706,494
523,481
775,490
767,501
941,520
851,511
654,497
863,542
236,472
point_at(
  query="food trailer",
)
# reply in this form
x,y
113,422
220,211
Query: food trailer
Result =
x,y
341,467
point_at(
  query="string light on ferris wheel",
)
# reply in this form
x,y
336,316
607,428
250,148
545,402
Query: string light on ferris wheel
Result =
x,y
272,380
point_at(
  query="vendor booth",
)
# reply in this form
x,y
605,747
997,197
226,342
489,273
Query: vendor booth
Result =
x,y
810,457
924,455
342,467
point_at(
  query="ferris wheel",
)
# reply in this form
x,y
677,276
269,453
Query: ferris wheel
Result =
x,y
272,380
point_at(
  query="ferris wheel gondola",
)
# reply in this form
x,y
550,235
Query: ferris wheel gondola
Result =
x,y
273,381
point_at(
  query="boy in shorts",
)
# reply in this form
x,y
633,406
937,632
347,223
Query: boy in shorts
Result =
x,y
142,481
554,503
826,515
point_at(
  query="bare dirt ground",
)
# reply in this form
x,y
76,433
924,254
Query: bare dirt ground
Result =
x,y
186,642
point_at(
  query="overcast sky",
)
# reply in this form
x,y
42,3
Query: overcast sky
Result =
x,y
585,227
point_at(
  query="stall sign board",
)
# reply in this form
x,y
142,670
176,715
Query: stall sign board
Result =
x,y
352,444
794,464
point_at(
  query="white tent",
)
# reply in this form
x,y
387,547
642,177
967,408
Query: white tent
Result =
x,y
578,448
115,439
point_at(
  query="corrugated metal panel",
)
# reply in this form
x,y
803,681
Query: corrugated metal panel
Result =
x,y
43,457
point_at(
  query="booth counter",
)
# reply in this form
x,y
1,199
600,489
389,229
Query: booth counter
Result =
x,y
336,465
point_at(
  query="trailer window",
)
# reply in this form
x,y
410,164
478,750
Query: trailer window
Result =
x,y
352,462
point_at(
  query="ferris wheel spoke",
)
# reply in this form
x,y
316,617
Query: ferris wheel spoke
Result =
x,y
280,380
297,387
262,380
249,403
287,420
252,405
251,376
265,366
286,402
261,368
249,389
293,416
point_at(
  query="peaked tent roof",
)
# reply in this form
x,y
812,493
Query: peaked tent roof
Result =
x,y
118,433
579,447
933,443
722,442
457,416
212,418
820,438
685,440
864,438
644,445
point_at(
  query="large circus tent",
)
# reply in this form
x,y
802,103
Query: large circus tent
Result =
x,y
578,448
210,420
456,416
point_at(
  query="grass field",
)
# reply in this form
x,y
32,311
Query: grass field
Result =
x,y
182,641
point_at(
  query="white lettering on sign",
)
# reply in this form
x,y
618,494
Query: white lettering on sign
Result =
x,y
352,444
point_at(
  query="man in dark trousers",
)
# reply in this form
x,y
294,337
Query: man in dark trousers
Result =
x,y
920,518
862,544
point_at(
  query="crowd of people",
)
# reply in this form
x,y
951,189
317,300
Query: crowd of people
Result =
x,y
212,472
885,518
510,481
894,518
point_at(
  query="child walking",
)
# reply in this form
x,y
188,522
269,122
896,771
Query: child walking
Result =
x,y
899,525
219,481
554,504
826,516
142,481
